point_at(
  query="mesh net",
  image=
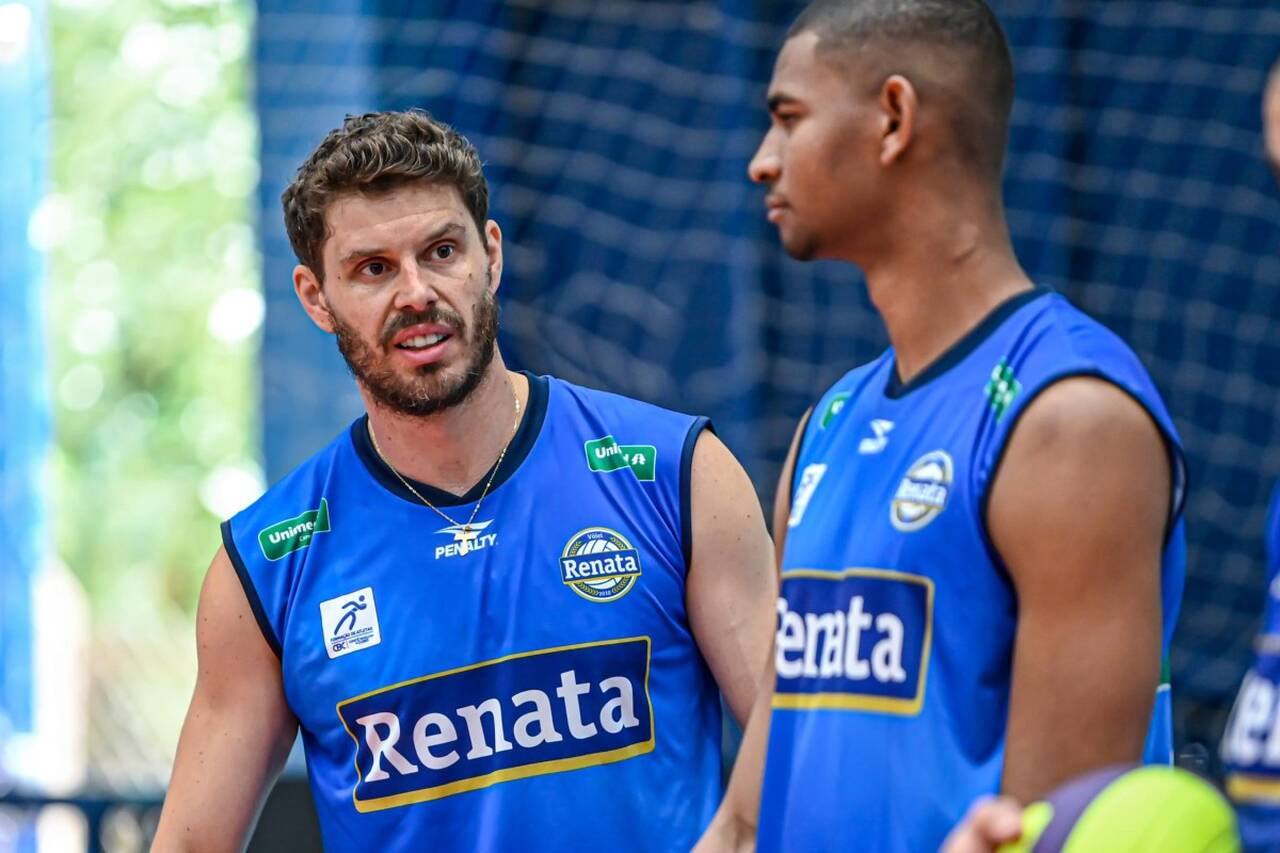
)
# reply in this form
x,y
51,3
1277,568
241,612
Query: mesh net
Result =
x,y
616,137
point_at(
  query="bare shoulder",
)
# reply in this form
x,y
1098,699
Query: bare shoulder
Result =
x,y
230,643
1085,410
723,498
1086,469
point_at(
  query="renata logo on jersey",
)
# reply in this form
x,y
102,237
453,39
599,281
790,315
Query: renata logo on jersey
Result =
x,y
854,640
546,711
599,564
922,494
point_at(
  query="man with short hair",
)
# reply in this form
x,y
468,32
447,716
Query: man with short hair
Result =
x,y
499,605
981,531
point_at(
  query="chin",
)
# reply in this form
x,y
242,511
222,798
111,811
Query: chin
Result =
x,y
802,249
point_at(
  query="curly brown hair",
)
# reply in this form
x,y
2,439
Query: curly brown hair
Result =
x,y
372,154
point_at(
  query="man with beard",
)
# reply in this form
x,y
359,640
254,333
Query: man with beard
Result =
x,y
983,553
498,606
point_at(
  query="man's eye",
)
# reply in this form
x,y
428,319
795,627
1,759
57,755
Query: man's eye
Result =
x,y
444,251
375,268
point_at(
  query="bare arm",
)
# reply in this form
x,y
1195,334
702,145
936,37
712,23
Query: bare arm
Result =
x,y
734,826
1078,512
731,585
238,729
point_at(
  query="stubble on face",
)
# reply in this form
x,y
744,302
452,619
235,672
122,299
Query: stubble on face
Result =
x,y
431,388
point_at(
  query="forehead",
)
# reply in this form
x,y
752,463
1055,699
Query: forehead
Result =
x,y
803,73
400,215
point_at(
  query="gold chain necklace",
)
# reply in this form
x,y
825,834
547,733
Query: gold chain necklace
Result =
x,y
464,534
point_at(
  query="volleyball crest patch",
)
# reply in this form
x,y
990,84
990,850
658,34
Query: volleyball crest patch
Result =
x,y
923,492
599,564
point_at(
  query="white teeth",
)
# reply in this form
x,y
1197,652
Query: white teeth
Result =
x,y
423,341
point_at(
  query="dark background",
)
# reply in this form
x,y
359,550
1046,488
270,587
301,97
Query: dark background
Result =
x,y
616,137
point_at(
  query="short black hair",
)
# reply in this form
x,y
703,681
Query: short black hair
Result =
x,y
852,27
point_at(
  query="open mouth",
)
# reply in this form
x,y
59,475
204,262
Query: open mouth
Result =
x,y
422,342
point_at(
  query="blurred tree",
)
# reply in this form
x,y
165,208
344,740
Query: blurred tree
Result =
x,y
155,301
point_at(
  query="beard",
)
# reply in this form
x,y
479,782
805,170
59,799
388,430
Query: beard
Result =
x,y
433,387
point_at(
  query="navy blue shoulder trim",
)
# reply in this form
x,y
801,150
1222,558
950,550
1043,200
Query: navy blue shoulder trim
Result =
x,y
804,433
521,444
250,591
968,343
1178,475
686,486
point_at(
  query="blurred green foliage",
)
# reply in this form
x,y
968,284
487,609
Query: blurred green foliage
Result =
x,y
155,299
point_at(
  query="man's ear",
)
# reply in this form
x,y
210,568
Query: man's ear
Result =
x,y
899,106
310,293
493,248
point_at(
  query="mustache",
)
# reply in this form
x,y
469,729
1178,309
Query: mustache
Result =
x,y
436,315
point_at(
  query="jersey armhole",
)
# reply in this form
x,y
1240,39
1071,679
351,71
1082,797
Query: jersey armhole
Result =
x,y
686,486
1177,463
795,463
250,591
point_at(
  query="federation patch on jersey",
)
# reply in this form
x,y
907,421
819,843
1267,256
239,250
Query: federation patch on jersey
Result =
x,y
545,711
922,494
599,564
350,623
853,640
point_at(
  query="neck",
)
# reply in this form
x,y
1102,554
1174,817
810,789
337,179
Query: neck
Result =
x,y
939,279
452,450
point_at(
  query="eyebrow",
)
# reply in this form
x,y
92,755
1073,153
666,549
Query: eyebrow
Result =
x,y
450,227
780,99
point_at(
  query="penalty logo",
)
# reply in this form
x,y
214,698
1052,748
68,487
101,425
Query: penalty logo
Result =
x,y
923,492
599,564
466,538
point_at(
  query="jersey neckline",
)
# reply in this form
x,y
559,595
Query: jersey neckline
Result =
x,y
954,354
521,444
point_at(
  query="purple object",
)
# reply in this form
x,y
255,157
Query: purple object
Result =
x,y
1069,801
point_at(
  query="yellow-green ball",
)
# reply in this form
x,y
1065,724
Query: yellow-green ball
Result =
x,y
1151,809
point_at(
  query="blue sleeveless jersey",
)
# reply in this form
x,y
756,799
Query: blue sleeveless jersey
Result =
x,y
532,684
896,617
1251,744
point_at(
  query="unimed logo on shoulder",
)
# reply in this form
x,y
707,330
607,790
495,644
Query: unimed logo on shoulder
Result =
x,y
285,537
545,711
